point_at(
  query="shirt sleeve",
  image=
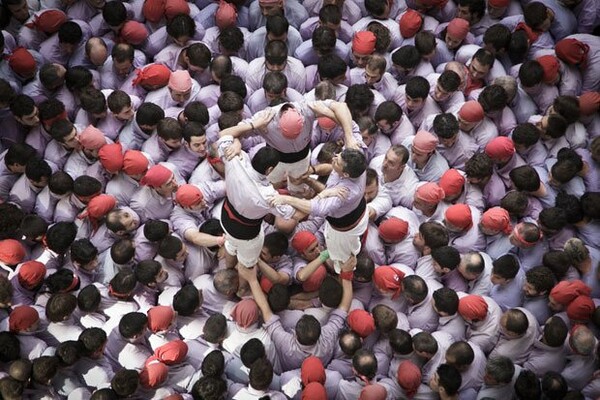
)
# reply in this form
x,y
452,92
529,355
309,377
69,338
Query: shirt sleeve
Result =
x,y
322,207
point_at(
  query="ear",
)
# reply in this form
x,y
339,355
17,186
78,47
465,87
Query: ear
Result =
x,y
269,170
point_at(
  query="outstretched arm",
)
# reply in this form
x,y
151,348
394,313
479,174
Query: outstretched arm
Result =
x,y
348,266
259,122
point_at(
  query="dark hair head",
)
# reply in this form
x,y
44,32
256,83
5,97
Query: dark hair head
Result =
x,y
251,351
125,382
215,328
265,158
308,330
446,300
133,324
278,298
330,292
187,300
506,266
449,378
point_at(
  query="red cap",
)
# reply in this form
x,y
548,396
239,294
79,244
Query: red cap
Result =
x,y
175,7
363,42
245,313
409,377
496,219
312,370
99,206
157,176
566,291
22,62
173,352
134,33
154,374
410,23
393,230
111,157
291,123
32,273
11,251
188,195
22,318
302,240
361,322
500,148
430,193
153,10
458,28
92,138
373,392
388,278
581,309
551,66
135,162
152,75
471,111
326,123
499,3
452,182
424,142
473,307
314,281
160,318
459,215
49,21
572,51
226,15
589,103
265,284
314,391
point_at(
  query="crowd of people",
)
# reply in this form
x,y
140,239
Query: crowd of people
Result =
x,y
284,199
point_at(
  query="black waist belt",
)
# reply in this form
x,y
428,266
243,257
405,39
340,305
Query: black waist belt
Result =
x,y
237,225
289,158
346,221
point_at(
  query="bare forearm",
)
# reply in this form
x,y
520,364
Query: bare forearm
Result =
x,y
260,299
202,239
346,296
308,270
271,274
344,117
315,185
301,205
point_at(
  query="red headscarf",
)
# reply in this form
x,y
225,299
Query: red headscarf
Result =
x,y
410,23
496,219
157,176
135,162
424,142
11,251
134,33
312,370
160,318
226,15
500,148
22,62
175,7
572,51
92,138
97,208
459,215
388,278
302,240
245,313
430,193
373,392
152,75
409,378
173,352
361,322
48,21
452,182
154,10
154,374
473,307
111,157
32,273
472,111
363,42
566,291
314,391
393,230
22,318
188,195
581,309
458,28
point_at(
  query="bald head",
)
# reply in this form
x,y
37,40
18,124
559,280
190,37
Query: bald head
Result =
x,y
97,51
582,340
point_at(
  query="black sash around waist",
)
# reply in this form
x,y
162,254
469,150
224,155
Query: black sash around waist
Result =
x,y
289,158
237,225
346,221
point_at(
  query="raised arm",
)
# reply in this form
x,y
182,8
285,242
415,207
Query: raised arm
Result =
x,y
259,122
312,266
346,275
249,274
271,274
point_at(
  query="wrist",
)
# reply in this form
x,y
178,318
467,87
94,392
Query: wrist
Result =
x,y
252,125
324,256
347,275
220,241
